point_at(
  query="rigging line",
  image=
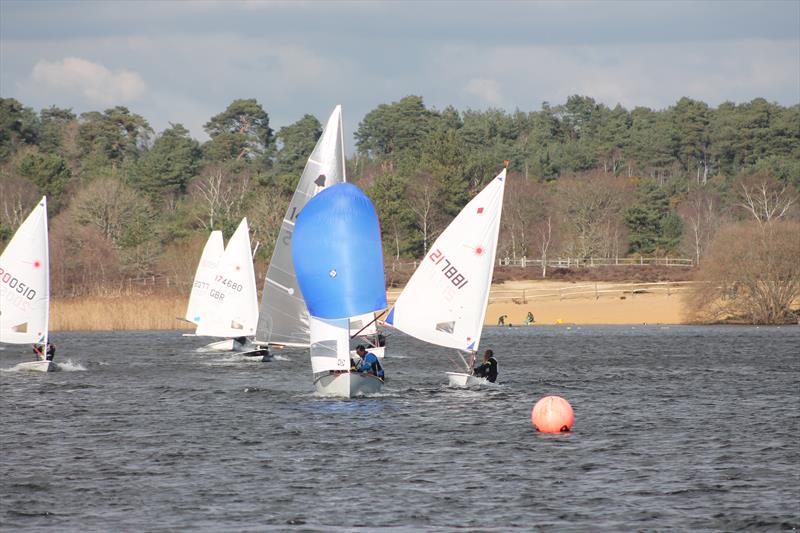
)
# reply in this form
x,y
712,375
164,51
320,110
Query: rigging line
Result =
x,y
368,325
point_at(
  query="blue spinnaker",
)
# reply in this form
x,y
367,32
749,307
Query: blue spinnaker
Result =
x,y
337,254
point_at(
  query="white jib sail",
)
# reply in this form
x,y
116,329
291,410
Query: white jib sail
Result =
x,y
233,290
25,281
330,344
199,299
445,300
284,318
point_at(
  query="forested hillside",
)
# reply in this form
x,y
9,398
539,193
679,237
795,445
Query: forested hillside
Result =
x,y
585,180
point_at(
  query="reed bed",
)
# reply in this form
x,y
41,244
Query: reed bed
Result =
x,y
132,312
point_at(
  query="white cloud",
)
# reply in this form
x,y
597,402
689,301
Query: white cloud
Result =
x,y
487,90
94,82
653,75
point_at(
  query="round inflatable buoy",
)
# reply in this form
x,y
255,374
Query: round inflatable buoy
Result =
x,y
552,414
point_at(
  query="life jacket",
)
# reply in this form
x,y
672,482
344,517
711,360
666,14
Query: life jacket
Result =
x,y
372,365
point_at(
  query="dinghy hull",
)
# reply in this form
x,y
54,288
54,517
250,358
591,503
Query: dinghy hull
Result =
x,y
347,384
464,381
37,366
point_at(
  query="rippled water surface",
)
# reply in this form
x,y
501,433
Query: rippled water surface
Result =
x,y
676,428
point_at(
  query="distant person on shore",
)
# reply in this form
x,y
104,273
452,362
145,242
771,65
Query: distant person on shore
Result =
x,y
369,362
38,349
488,369
501,321
529,319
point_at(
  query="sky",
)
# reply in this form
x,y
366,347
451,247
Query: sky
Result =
x,y
186,61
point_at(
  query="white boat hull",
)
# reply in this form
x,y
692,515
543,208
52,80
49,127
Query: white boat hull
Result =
x,y
347,384
464,381
37,366
228,345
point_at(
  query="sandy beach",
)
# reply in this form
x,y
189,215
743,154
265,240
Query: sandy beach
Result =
x,y
551,302
582,302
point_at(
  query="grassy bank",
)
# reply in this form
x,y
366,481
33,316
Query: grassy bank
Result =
x,y
135,312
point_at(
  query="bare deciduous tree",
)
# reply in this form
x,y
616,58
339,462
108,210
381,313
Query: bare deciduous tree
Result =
x,y
221,195
701,218
765,199
18,197
591,212
422,200
749,274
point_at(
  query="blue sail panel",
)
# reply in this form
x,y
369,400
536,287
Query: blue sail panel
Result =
x,y
338,255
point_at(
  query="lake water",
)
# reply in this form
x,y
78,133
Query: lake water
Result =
x,y
676,428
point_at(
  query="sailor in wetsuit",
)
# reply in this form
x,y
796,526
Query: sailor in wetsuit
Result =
x,y
488,369
369,362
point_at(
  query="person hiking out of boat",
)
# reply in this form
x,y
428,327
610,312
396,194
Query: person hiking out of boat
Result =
x,y
488,369
369,362
38,349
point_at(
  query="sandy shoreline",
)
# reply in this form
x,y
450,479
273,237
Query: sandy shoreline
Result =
x,y
551,302
586,303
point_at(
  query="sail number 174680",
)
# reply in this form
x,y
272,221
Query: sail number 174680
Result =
x,y
449,271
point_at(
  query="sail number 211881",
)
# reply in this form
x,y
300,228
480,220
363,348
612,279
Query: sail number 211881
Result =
x,y
449,271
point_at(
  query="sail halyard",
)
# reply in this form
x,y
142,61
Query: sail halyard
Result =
x,y
283,317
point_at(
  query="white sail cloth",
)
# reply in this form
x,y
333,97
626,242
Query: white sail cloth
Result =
x,y
25,281
445,300
284,318
232,290
199,300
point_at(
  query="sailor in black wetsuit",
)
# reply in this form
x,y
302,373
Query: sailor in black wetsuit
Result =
x,y
488,369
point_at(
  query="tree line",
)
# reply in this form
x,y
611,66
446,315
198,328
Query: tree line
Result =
x,y
585,179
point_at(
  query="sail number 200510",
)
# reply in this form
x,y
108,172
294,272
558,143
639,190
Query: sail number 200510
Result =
x,y
13,283
449,271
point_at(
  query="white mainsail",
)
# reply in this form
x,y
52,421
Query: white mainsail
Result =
x,y
284,318
445,300
25,282
199,300
233,291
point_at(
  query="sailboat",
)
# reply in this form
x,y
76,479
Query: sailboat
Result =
x,y
25,287
338,257
444,302
283,319
231,302
199,299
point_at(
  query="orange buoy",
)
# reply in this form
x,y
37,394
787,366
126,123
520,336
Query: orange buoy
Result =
x,y
552,414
